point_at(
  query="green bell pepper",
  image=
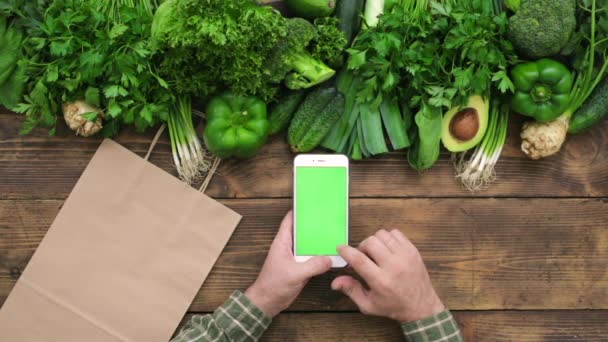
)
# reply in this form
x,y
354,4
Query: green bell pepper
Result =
x,y
542,89
237,126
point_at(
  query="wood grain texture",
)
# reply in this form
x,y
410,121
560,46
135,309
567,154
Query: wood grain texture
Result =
x,y
496,326
482,254
41,167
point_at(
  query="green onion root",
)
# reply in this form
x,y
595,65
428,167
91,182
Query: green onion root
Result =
x,y
191,160
477,172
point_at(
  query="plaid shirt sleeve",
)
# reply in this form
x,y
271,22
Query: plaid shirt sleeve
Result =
x,y
238,319
438,328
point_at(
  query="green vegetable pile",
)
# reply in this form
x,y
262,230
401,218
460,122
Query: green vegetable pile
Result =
x,y
106,64
419,60
586,105
357,77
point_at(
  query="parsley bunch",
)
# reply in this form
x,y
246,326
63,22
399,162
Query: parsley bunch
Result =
x,y
442,54
76,52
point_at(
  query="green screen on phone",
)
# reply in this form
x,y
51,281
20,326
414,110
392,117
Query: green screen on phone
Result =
x,y
321,209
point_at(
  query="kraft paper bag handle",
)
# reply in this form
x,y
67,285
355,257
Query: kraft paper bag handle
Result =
x,y
212,170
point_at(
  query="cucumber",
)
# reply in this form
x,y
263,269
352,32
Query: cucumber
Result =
x,y
311,9
593,111
314,102
349,12
314,118
282,112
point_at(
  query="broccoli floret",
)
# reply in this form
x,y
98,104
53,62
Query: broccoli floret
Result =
x,y
542,28
290,60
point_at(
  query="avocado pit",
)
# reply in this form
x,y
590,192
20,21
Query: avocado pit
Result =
x,y
465,124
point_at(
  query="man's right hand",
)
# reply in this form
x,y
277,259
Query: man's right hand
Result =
x,y
398,284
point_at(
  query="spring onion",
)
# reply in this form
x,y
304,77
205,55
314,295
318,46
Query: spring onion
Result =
x,y
478,171
191,160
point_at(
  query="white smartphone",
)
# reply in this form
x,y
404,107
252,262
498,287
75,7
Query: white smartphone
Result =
x,y
320,203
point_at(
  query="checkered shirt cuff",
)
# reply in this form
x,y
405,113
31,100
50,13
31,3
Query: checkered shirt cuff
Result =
x,y
438,328
240,319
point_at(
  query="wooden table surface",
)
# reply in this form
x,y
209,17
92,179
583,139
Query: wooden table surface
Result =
x,y
526,260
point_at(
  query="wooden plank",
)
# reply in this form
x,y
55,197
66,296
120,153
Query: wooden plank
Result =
x,y
482,253
521,326
42,167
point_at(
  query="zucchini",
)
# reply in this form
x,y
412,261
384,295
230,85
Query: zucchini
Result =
x,y
349,12
311,9
314,118
338,136
282,112
593,111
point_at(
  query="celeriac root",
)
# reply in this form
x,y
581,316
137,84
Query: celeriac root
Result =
x,y
543,139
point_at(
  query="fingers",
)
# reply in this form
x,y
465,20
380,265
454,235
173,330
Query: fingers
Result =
x,y
361,263
376,249
389,240
285,230
314,266
397,234
354,290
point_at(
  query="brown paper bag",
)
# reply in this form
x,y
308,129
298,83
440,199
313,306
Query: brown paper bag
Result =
x,y
122,261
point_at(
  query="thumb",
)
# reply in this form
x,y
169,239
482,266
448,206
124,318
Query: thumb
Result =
x,y
315,266
354,290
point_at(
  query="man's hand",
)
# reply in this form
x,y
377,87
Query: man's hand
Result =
x,y
282,278
399,284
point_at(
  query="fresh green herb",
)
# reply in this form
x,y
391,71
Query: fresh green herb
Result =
x,y
330,42
77,52
215,45
443,53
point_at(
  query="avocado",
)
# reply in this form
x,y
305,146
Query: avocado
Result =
x,y
464,127
311,9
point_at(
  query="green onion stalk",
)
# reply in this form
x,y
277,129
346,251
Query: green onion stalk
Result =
x,y
189,156
479,171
